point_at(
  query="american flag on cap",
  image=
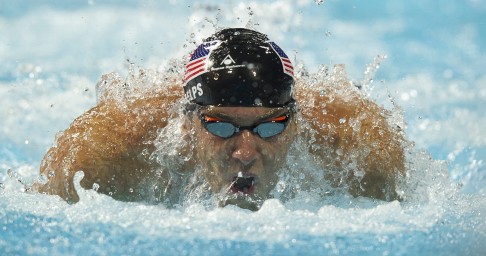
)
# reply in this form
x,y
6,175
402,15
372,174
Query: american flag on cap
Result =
x,y
286,64
197,64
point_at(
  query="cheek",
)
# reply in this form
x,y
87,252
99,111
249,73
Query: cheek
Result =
x,y
211,152
211,155
274,154
277,149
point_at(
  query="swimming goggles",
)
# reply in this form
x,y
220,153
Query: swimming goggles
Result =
x,y
227,130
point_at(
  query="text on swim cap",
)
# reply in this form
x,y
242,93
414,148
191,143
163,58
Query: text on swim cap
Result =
x,y
194,91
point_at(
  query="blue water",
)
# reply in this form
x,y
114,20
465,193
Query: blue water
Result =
x,y
53,52
116,240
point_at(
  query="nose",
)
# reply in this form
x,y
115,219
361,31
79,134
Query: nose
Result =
x,y
246,148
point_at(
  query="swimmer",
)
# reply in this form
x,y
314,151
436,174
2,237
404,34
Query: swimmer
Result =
x,y
243,110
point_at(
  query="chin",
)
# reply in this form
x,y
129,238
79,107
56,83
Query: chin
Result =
x,y
251,202
242,202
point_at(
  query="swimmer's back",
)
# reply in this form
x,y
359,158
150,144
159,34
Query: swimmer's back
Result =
x,y
111,143
354,138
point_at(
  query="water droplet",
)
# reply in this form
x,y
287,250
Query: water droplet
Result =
x,y
96,186
319,2
258,102
339,152
296,188
145,152
342,120
216,76
131,190
42,179
280,186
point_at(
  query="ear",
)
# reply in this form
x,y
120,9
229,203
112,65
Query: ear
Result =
x,y
187,123
188,150
293,126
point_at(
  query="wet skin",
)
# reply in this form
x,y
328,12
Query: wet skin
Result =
x,y
245,154
112,144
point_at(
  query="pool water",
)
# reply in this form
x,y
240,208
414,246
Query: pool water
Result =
x,y
427,69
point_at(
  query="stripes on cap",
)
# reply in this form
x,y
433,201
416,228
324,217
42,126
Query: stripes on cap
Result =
x,y
197,65
287,66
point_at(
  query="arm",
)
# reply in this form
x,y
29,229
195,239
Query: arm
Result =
x,y
353,141
111,143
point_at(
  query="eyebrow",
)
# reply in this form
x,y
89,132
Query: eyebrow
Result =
x,y
274,113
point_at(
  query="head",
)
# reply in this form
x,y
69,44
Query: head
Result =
x,y
240,88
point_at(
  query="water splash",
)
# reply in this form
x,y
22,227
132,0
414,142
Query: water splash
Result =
x,y
302,213
450,223
366,85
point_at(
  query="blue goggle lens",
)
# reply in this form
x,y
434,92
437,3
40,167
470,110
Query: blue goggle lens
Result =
x,y
227,130
266,130
221,129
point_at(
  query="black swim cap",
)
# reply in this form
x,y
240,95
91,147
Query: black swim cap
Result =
x,y
239,67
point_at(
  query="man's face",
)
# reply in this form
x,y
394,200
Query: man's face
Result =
x,y
245,164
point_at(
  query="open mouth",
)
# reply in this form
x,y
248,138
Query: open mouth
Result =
x,y
244,184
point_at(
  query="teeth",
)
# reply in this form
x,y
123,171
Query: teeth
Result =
x,y
242,184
